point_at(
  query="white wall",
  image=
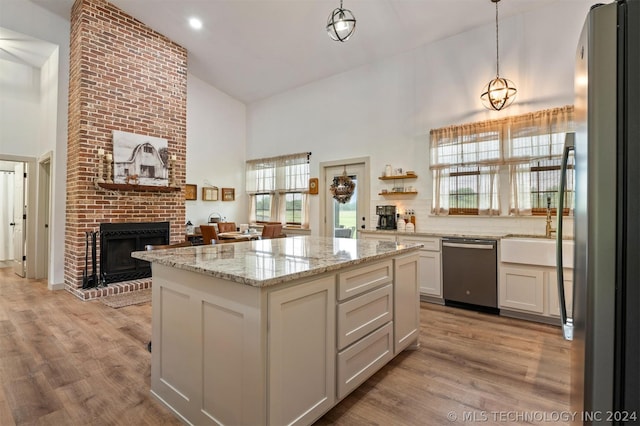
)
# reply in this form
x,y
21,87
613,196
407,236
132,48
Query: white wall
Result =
x,y
385,110
44,129
216,136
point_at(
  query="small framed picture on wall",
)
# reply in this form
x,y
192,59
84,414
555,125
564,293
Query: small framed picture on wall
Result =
x,y
313,186
190,192
210,193
228,194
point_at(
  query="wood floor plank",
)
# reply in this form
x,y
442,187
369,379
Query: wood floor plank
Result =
x,y
68,362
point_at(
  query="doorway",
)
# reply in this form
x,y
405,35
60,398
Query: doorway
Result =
x,y
18,207
7,174
13,188
345,220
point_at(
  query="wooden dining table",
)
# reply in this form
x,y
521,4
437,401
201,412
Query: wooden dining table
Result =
x,y
240,236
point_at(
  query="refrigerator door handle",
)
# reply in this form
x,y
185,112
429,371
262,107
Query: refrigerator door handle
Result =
x,y
567,323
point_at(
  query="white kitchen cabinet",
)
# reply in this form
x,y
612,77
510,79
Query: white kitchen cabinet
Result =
x,y
429,265
521,288
231,353
554,305
406,297
302,381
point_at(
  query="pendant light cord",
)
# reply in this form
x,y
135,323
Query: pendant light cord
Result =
x,y
497,45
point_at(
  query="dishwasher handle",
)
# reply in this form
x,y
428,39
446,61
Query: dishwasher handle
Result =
x,y
469,246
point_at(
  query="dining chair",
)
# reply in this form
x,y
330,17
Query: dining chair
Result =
x,y
226,227
272,230
208,234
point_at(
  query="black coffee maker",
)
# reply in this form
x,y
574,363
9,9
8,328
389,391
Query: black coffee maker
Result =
x,y
386,217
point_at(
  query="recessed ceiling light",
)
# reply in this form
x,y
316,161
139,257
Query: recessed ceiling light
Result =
x,y
195,23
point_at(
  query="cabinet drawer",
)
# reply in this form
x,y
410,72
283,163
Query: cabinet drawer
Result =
x,y
357,281
360,316
359,361
431,244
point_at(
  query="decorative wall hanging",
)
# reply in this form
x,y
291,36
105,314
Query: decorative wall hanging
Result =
x,y
190,192
228,194
313,186
140,159
342,187
210,193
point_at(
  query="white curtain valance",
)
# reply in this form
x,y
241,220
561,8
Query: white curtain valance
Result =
x,y
286,173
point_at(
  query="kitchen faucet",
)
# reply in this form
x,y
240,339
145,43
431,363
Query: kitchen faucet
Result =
x,y
548,229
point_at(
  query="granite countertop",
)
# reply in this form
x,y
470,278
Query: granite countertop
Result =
x,y
262,263
479,235
440,234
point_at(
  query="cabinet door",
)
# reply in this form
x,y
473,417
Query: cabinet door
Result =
x,y
429,273
406,298
554,305
521,288
429,266
302,351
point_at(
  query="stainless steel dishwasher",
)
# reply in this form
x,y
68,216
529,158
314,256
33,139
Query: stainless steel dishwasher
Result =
x,y
469,273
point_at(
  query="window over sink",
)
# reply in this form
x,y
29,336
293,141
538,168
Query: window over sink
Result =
x,y
514,161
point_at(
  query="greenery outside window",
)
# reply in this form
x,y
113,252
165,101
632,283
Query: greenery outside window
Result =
x,y
263,207
278,189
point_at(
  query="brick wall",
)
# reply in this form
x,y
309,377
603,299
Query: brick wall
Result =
x,y
123,76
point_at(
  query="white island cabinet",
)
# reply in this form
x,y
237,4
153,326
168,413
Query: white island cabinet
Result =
x,y
275,332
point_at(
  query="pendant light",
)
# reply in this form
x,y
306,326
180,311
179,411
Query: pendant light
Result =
x,y
341,24
499,93
342,187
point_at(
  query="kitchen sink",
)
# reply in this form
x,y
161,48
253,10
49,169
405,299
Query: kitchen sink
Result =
x,y
535,251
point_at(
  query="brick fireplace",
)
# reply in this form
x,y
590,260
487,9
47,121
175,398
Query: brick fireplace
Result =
x,y
123,76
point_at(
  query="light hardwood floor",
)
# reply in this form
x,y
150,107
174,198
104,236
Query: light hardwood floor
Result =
x,y
68,362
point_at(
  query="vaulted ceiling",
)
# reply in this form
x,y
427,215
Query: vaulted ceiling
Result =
x,y
253,49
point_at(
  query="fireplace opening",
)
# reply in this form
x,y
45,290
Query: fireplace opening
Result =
x,y
119,240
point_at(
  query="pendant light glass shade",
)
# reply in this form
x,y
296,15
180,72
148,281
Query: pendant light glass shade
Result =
x,y
341,24
342,187
500,92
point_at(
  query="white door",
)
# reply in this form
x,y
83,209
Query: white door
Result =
x,y
344,220
19,220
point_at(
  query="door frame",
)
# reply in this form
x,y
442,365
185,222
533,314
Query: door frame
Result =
x,y
364,190
43,233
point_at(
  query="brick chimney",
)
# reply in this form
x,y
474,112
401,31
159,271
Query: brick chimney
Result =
x,y
123,76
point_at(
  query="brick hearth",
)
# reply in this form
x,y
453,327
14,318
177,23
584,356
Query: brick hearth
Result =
x,y
123,76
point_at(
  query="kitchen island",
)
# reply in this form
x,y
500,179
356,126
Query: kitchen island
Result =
x,y
275,332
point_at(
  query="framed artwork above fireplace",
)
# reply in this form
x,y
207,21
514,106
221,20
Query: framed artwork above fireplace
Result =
x,y
140,158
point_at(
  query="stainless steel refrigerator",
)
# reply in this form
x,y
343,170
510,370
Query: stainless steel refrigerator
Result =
x,y
604,323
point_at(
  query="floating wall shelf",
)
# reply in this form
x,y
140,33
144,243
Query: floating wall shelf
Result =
x,y
398,177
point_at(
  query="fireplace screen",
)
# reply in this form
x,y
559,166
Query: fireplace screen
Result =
x,y
119,240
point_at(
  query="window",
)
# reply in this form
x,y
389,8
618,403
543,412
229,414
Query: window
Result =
x,y
467,161
534,153
278,188
464,163
294,208
263,207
